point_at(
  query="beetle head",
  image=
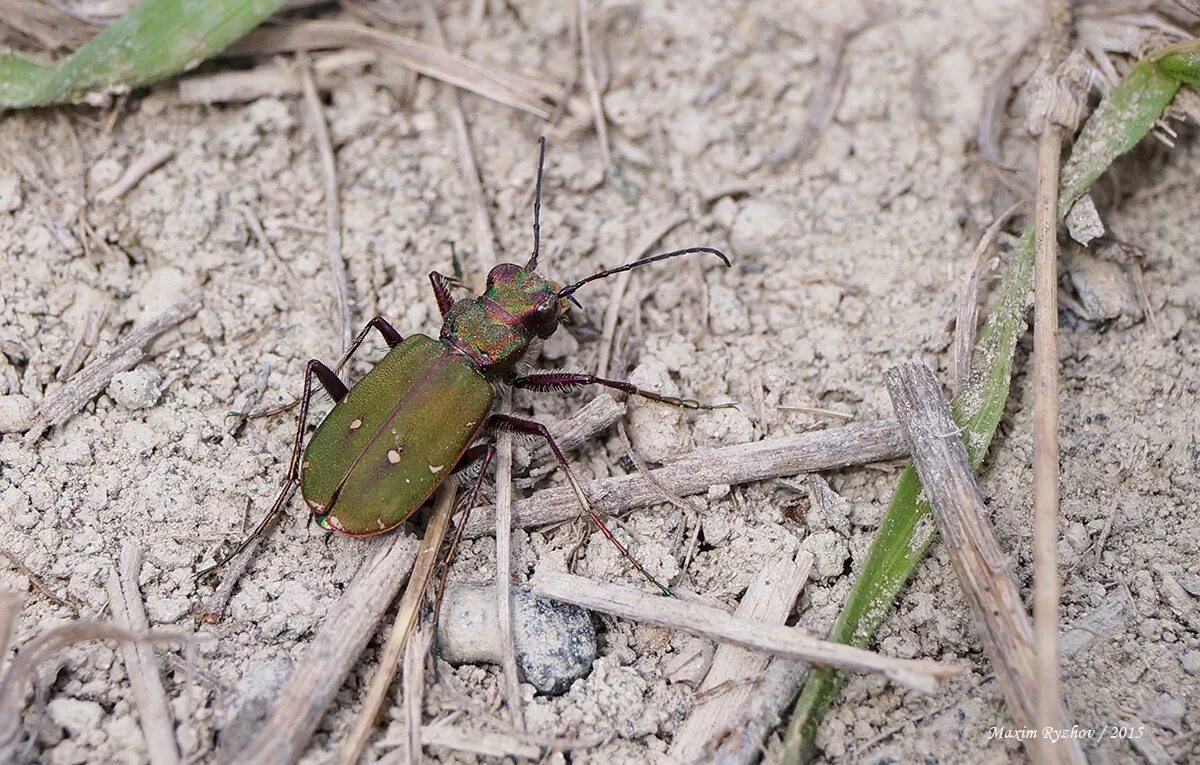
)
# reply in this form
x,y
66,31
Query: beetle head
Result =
x,y
528,297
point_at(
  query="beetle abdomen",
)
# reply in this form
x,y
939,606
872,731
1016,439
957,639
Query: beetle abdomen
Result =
x,y
384,448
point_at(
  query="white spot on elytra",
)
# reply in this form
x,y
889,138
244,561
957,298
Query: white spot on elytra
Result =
x,y
334,523
393,456
306,464
356,424
379,522
435,469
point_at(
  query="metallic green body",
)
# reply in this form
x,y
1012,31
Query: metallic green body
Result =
x,y
384,448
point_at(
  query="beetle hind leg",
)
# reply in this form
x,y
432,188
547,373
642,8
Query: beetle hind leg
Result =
x,y
518,425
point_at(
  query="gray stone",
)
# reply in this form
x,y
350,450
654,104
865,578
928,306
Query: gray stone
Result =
x,y
555,642
135,389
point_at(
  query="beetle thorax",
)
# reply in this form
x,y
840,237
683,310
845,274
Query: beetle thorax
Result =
x,y
496,328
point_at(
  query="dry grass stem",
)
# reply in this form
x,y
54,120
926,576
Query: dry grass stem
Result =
x,y
967,316
715,624
769,599
260,235
332,653
593,85
315,116
60,405
520,91
613,311
481,223
406,619
504,554
128,612
137,170
855,444
413,677
1045,391
982,567
36,651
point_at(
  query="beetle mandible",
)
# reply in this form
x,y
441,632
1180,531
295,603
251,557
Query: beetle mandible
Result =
x,y
416,418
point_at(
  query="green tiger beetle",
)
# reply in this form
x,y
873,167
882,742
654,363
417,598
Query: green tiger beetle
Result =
x,y
417,417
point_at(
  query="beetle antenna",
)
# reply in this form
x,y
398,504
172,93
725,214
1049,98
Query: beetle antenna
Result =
x,y
570,288
537,206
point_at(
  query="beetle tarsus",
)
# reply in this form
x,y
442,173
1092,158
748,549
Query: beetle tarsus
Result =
x,y
518,425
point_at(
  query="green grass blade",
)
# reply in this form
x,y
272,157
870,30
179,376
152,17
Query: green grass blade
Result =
x,y
155,40
1118,124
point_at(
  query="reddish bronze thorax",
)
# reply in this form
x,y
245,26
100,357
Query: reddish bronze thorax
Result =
x,y
496,328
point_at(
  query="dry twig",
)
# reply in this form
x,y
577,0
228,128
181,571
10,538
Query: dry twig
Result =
x,y
855,444
1045,374
34,652
593,86
333,652
60,405
715,624
128,612
137,170
333,205
481,224
983,569
413,677
88,337
504,602
520,91
769,599
406,618
486,743
967,316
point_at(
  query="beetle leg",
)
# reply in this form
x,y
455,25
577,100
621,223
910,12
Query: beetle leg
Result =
x,y
564,381
518,425
329,380
379,324
442,285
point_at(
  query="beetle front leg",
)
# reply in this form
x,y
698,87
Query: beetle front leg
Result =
x,y
337,390
379,324
518,425
565,381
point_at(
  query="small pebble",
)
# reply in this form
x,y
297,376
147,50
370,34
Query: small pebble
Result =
x,y
658,432
135,389
757,229
1083,221
76,715
830,551
16,414
555,642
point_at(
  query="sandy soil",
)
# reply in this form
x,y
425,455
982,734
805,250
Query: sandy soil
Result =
x,y
846,262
